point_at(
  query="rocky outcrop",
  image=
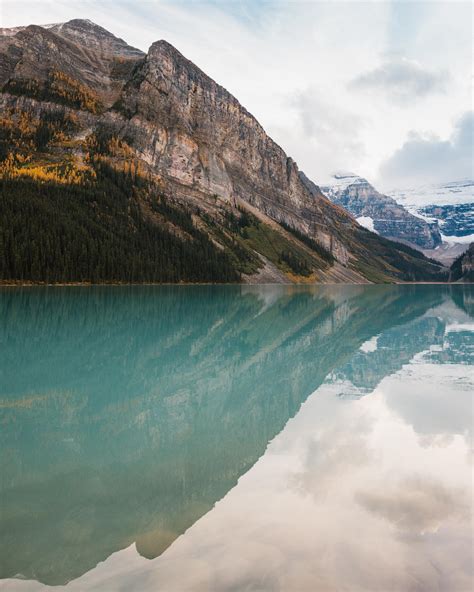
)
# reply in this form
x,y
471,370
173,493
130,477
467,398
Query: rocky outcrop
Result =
x,y
86,53
381,213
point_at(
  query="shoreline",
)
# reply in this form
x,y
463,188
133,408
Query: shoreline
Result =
x,y
20,284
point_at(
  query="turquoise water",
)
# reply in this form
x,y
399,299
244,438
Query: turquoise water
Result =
x,y
236,438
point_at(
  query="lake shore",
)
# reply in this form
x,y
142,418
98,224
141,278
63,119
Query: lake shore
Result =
x,y
23,284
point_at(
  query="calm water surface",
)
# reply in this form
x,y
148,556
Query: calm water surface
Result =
x,y
236,438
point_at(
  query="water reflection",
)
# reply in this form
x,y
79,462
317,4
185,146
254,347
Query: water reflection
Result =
x,y
128,413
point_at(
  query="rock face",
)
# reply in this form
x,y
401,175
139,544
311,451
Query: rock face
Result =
x,y
381,213
205,148
198,135
95,39
450,204
86,53
184,125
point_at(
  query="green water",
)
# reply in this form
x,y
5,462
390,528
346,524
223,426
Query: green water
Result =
x,y
128,413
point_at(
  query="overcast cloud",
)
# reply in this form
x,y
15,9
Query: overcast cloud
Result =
x,y
429,157
339,85
401,80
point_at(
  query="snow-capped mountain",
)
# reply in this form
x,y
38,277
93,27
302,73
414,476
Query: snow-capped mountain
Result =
x,y
381,213
449,204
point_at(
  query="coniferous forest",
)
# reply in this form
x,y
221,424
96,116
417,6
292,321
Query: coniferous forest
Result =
x,y
63,223
98,233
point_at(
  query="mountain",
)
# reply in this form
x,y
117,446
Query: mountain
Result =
x,y
82,65
451,205
462,270
132,167
381,213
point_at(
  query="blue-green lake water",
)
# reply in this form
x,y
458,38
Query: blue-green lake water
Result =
x,y
236,438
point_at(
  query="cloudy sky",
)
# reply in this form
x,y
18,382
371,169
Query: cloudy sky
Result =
x,y
381,88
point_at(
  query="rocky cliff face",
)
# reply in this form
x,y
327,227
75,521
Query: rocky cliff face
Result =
x,y
84,52
196,141
381,213
198,135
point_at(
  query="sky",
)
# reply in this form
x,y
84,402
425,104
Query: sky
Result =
x,y
382,89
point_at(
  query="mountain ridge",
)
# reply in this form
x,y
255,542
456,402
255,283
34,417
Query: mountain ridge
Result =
x,y
382,213
450,204
192,144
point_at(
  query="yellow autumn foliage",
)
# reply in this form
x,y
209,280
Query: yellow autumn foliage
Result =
x,y
67,174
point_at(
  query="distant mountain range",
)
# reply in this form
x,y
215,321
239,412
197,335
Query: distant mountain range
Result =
x,y
451,205
381,213
121,166
438,219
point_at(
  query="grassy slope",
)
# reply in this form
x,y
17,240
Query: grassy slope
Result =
x,y
382,257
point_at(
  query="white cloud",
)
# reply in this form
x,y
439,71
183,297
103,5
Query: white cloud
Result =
x,y
415,506
331,133
428,158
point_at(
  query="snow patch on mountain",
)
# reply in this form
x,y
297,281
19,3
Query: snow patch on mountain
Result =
x,y
367,222
380,213
452,193
340,181
458,327
462,240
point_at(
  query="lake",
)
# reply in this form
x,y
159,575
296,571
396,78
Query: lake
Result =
x,y
236,438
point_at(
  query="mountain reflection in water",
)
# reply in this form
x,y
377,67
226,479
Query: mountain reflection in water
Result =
x,y
127,413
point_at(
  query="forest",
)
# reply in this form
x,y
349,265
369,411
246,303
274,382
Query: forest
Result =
x,y
61,222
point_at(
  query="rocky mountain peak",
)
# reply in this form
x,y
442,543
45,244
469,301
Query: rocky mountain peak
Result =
x,y
88,34
95,62
380,213
86,24
82,32
341,180
167,61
